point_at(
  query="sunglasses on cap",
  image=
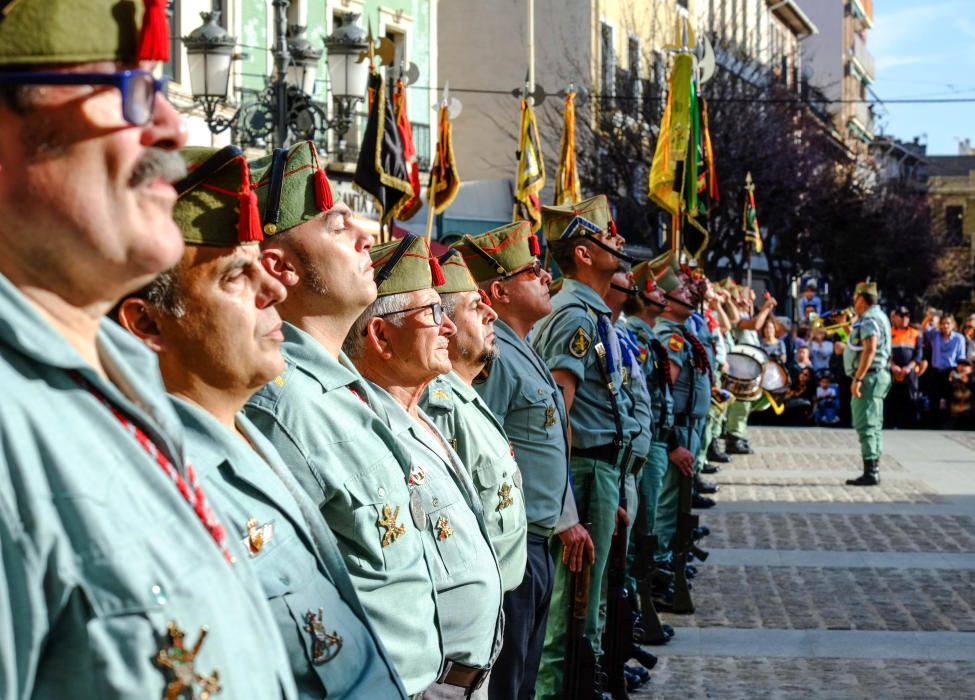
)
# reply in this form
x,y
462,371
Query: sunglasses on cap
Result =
x,y
535,268
138,88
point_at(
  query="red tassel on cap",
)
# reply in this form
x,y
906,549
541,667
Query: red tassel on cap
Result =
x,y
533,246
612,228
154,39
323,191
437,272
249,226
650,286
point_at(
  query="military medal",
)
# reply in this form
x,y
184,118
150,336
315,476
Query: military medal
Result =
x,y
504,494
257,536
179,660
516,477
550,416
325,645
417,475
443,528
416,510
388,521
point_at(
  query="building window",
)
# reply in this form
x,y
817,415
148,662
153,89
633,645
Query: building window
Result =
x,y
171,67
608,64
635,84
954,226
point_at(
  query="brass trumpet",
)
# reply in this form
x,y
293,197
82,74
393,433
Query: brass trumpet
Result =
x,y
817,322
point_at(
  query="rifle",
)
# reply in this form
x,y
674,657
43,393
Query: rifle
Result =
x,y
618,635
579,671
644,565
682,544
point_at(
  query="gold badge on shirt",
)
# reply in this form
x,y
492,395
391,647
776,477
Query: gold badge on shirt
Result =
x,y
388,521
175,657
504,494
443,528
325,645
257,536
550,416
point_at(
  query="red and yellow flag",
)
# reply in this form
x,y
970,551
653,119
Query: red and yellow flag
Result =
x,y
567,189
444,179
749,217
530,178
412,205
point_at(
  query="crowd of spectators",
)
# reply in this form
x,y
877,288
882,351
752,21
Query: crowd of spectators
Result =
x,y
931,369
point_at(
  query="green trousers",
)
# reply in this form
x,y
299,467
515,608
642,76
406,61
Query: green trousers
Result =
x,y
665,523
711,430
648,489
738,418
596,487
868,413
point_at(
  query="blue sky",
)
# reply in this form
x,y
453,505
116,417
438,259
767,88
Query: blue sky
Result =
x,y
925,49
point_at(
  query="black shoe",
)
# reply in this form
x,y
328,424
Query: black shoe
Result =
x,y
703,486
690,570
700,532
709,468
642,657
715,454
738,446
702,502
870,476
633,681
668,630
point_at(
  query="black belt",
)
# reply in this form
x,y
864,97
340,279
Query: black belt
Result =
x,y
463,676
609,454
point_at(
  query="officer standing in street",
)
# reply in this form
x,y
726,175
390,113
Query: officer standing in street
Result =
x,y
520,391
865,360
214,323
578,342
468,424
326,422
400,344
118,579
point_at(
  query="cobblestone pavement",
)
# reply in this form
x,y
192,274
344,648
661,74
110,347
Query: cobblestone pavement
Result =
x,y
779,601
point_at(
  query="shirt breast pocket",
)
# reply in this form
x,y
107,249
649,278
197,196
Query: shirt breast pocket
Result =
x,y
495,483
449,528
539,415
381,514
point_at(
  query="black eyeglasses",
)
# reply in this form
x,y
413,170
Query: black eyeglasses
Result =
x,y
535,269
138,88
436,310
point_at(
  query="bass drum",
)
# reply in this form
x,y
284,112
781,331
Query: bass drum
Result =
x,y
744,377
775,380
754,352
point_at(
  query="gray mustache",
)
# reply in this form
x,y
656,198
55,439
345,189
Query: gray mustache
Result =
x,y
158,163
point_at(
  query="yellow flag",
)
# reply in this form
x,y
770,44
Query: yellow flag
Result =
x,y
673,139
530,178
567,190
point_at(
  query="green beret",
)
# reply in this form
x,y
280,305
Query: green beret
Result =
x,y
867,287
590,216
216,205
405,266
457,277
500,251
46,32
291,187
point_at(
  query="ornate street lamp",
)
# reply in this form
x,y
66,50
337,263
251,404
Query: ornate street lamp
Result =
x,y
284,110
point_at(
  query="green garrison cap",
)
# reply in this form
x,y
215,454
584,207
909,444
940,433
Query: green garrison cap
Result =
x,y
589,216
500,251
665,269
866,287
405,266
216,205
457,277
46,32
291,187
643,277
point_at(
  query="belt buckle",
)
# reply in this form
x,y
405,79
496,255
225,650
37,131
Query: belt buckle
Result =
x,y
479,679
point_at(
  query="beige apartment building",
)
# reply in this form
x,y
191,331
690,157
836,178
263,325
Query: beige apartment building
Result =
x,y
842,66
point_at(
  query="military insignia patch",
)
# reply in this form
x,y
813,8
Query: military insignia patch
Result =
x,y
580,343
676,342
439,395
443,528
279,380
550,416
257,536
325,645
504,496
179,659
388,521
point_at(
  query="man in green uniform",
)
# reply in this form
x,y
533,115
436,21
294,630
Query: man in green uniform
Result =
x,y
690,379
399,344
118,579
865,360
324,420
520,391
213,322
584,244
468,424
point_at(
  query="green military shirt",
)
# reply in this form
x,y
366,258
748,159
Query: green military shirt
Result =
x,y
654,368
873,323
447,508
295,557
329,429
523,396
674,337
639,393
99,551
481,443
565,339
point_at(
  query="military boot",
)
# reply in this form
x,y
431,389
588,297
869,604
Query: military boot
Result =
x,y
737,446
870,476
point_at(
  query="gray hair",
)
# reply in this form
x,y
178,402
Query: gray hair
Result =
x,y
164,294
355,341
449,302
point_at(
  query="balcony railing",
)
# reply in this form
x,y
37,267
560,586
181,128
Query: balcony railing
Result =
x,y
862,59
350,154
